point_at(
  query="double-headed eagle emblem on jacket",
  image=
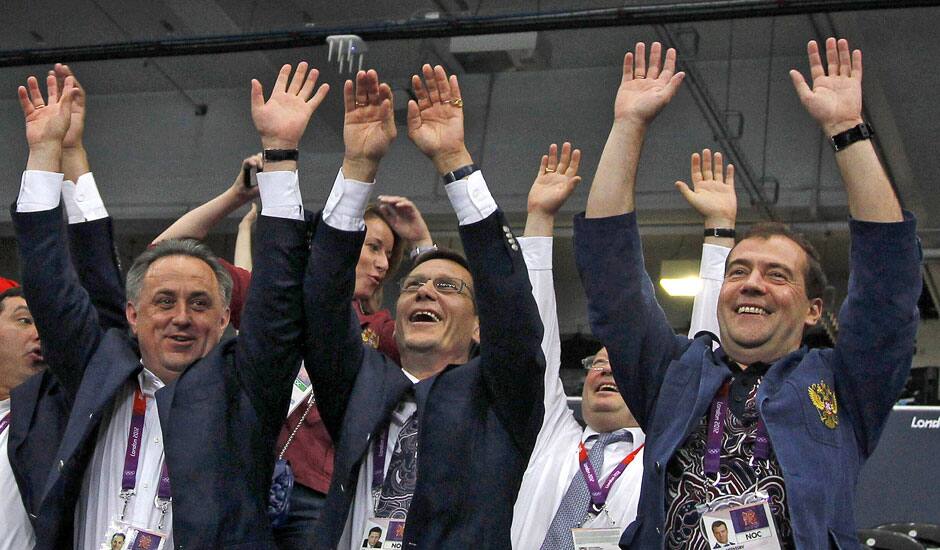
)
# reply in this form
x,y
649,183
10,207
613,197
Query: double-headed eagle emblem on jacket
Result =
x,y
824,399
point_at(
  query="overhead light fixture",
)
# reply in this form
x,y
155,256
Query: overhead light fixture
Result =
x,y
679,278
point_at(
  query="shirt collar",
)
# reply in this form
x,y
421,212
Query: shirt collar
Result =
x,y
636,435
149,382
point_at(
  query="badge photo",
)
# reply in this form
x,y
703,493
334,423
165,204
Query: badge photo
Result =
x,y
124,536
740,525
383,533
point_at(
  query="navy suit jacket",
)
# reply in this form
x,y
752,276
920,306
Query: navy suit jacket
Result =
x,y
478,421
669,381
95,260
219,419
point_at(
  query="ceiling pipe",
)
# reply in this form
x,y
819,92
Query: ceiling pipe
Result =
x,y
445,27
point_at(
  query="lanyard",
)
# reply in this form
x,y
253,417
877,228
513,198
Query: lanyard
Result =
x,y
135,437
379,449
599,492
4,422
716,428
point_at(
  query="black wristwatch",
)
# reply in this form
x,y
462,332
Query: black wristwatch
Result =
x,y
720,232
856,133
277,155
461,173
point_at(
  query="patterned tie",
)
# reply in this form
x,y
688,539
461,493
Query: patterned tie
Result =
x,y
574,505
399,485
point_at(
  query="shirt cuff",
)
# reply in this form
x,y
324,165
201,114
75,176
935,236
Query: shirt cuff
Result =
x,y
713,262
471,199
537,252
82,200
346,204
39,191
280,195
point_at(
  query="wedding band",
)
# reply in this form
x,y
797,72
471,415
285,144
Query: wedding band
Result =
x,y
457,102
358,104
549,170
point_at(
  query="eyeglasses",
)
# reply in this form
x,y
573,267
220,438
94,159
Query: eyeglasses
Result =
x,y
443,285
595,363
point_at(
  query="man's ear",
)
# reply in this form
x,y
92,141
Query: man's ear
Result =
x,y
130,311
226,317
476,331
814,312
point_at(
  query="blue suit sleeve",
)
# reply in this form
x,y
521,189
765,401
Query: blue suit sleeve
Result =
x,y
510,327
96,263
877,323
269,343
623,310
67,321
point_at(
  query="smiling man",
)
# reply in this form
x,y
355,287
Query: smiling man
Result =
x,y
432,451
160,427
763,434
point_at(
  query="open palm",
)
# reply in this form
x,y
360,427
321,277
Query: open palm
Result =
x,y
282,119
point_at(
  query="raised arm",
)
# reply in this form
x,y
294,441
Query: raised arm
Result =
x,y
622,303
712,195
243,239
91,235
878,320
405,220
67,321
642,94
510,331
835,102
556,180
197,223
269,343
334,351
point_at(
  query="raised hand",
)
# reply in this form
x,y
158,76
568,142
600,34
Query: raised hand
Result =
x,y
435,119
835,100
405,220
250,217
282,119
368,126
46,124
73,138
645,90
556,181
712,192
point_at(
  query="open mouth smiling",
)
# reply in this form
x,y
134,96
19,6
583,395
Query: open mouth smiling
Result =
x,y
424,316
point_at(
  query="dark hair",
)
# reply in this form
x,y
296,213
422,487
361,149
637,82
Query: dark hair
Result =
x,y
10,293
398,247
718,523
375,530
815,277
177,247
442,254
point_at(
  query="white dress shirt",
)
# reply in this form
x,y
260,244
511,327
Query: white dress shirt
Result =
x,y
344,210
99,502
16,533
554,461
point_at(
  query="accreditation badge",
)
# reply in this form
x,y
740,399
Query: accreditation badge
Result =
x,y
299,391
596,538
125,536
740,523
383,533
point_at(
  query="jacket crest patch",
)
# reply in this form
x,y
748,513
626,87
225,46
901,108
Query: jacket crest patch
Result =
x,y
370,338
824,399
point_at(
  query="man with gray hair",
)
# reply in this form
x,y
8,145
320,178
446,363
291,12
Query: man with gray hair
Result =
x,y
169,439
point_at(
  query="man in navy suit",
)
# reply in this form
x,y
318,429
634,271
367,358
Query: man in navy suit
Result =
x,y
763,434
434,450
171,415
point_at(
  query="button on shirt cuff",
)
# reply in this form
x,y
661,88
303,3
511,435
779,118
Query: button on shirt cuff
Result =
x,y
537,252
471,199
347,203
82,200
280,195
39,191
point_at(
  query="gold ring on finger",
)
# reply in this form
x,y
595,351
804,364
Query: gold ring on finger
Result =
x,y
549,170
361,104
457,102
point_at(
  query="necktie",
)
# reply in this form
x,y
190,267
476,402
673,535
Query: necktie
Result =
x,y
574,505
399,485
